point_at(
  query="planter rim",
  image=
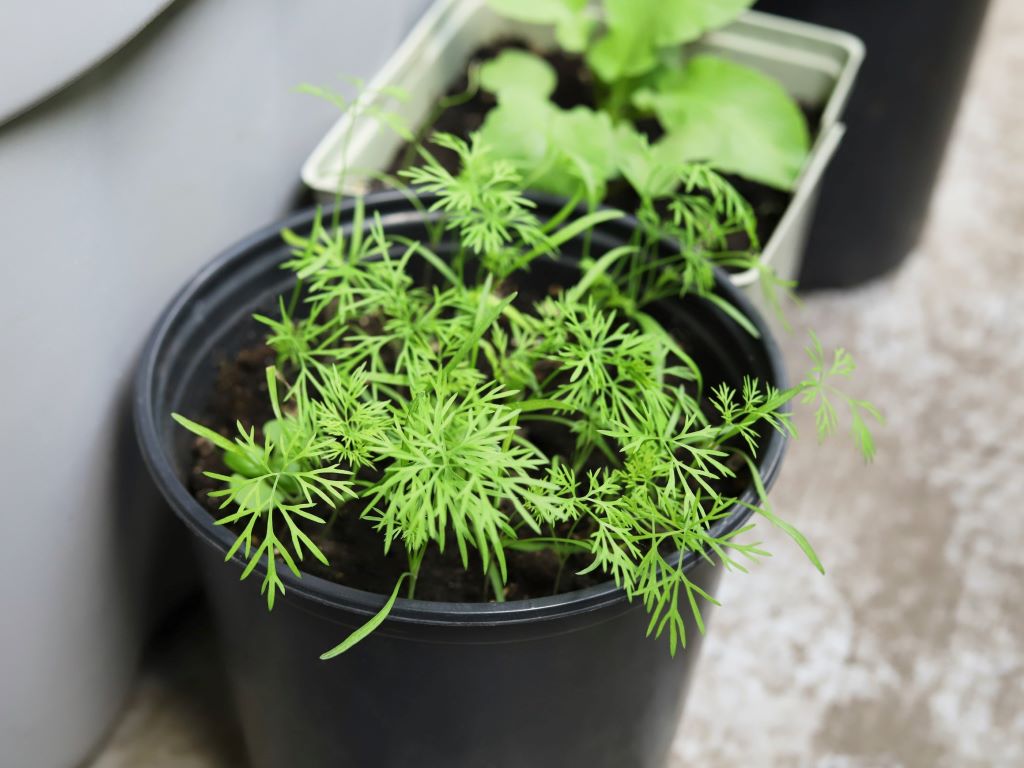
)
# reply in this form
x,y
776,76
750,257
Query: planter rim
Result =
x,y
327,593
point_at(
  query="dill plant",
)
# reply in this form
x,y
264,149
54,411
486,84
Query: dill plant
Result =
x,y
411,403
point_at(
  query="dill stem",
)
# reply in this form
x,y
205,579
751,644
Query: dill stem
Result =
x,y
415,561
495,578
563,557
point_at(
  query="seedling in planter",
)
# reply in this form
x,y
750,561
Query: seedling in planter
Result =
x,y
458,412
658,114
708,108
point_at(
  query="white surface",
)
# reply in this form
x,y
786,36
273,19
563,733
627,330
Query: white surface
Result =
x,y
110,195
45,44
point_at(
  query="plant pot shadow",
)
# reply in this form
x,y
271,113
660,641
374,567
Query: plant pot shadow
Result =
x,y
180,709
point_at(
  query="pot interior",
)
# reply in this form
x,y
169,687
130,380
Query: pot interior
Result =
x,y
211,321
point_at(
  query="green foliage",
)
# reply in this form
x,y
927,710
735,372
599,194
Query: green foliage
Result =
x,y
416,405
450,464
819,388
735,118
514,72
638,30
277,482
712,110
560,151
484,202
650,170
366,629
572,23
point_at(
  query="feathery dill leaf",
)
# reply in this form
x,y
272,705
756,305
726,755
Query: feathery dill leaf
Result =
x,y
417,405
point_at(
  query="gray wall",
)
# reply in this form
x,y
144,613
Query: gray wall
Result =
x,y
111,193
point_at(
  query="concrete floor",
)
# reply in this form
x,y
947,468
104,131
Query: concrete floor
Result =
x,y
910,652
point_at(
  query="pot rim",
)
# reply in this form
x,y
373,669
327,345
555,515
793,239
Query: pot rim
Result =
x,y
329,594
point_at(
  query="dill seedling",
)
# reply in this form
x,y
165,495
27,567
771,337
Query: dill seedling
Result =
x,y
414,404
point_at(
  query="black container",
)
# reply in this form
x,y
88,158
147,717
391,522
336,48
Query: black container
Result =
x,y
563,681
875,194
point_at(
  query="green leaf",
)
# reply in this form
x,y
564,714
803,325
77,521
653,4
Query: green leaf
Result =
x,y
572,24
422,397
242,464
681,21
733,117
542,404
651,171
253,495
862,434
564,152
629,46
599,269
541,544
198,429
765,511
573,32
619,54
485,317
577,227
735,313
584,142
246,463
637,29
369,626
518,130
537,11
515,72
279,431
270,372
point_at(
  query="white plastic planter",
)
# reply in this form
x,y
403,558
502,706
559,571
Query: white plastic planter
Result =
x,y
816,65
114,187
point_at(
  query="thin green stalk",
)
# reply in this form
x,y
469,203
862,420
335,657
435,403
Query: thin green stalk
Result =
x,y
494,576
415,561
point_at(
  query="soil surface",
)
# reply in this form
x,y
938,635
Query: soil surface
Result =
x,y
352,547
576,87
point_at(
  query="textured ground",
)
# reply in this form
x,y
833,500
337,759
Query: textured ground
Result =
x,y
910,652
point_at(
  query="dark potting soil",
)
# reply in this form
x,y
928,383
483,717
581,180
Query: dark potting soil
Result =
x,y
354,550
352,546
576,87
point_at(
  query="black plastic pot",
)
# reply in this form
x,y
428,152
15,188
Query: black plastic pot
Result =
x,y
563,681
875,194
